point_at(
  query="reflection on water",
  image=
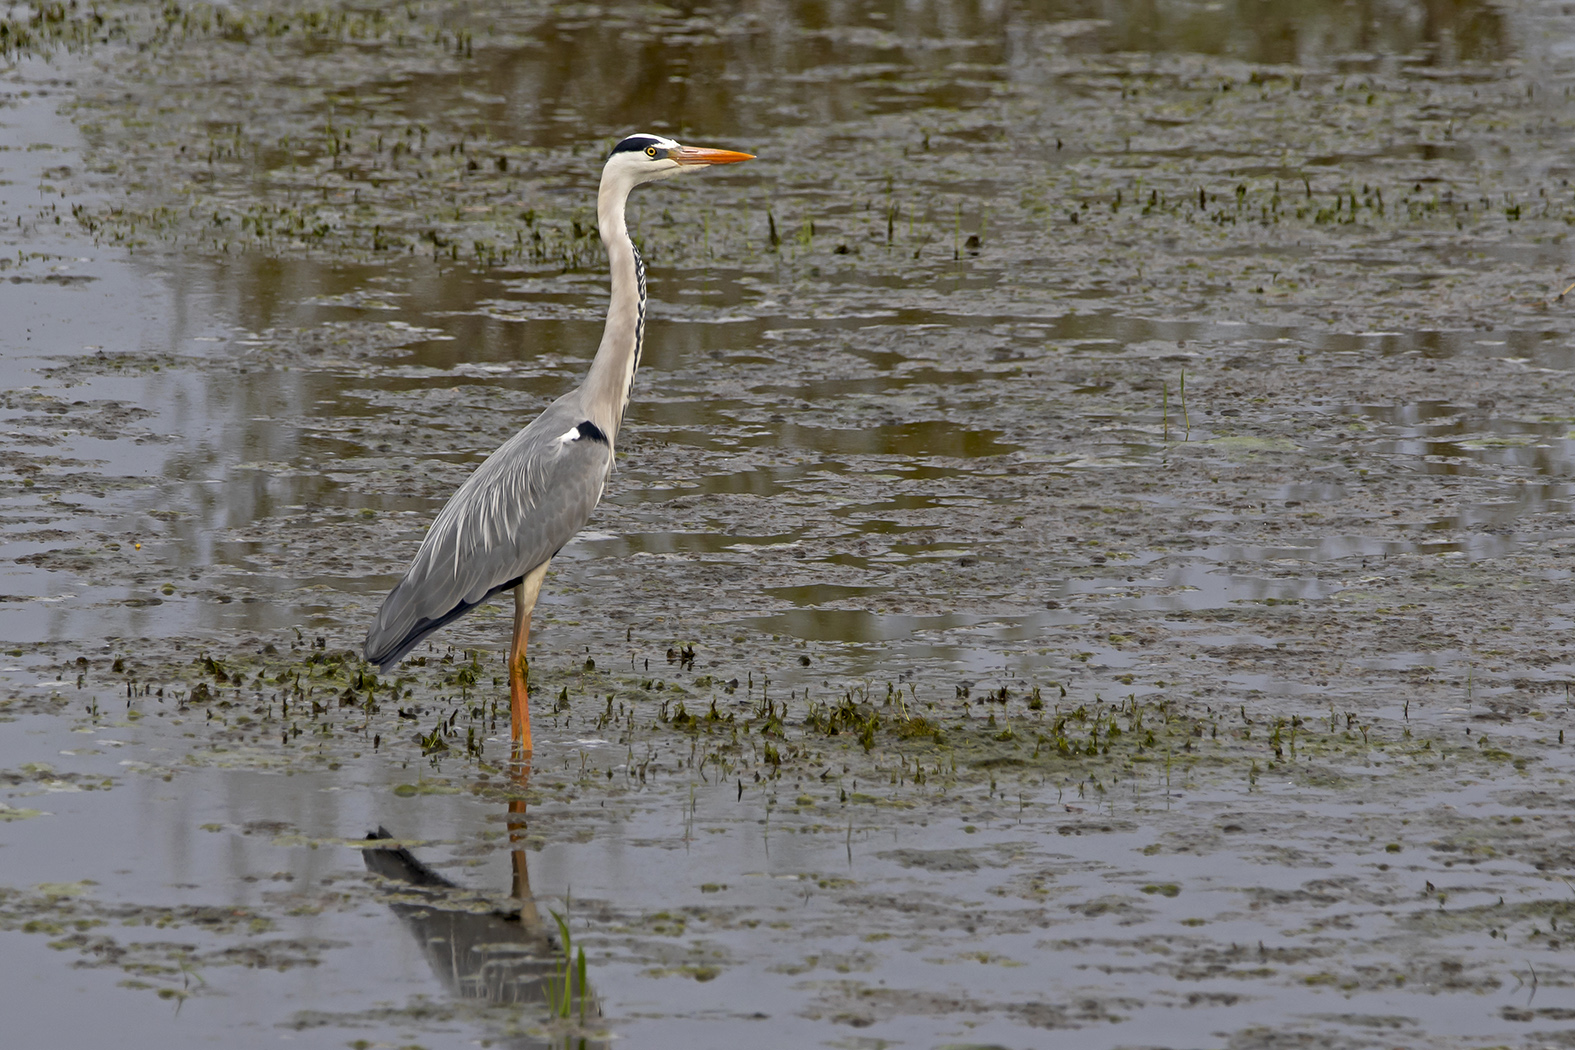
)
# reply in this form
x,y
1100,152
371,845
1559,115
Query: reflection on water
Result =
x,y
508,956
291,436
283,397
741,68
1434,33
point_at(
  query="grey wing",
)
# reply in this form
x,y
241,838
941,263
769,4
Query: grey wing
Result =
x,y
520,506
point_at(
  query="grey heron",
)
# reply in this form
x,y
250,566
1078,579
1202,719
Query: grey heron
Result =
x,y
502,527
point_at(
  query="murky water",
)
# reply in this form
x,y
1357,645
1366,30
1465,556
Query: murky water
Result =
x,y
1151,425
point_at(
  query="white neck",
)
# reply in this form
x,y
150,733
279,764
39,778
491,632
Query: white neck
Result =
x,y
611,378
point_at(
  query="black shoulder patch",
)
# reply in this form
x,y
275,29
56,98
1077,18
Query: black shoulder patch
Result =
x,y
635,143
590,430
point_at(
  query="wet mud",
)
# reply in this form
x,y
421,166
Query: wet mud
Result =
x,y
1087,558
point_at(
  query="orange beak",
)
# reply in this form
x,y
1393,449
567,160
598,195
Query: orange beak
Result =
x,y
701,155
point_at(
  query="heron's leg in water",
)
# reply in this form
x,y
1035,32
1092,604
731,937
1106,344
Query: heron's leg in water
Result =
x,y
525,596
520,891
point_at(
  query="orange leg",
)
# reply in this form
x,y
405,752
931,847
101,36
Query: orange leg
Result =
x,y
519,667
519,676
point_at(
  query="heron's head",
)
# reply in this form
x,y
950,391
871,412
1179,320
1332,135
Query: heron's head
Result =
x,y
646,158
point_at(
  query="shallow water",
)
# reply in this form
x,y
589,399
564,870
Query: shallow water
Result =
x,y
1289,464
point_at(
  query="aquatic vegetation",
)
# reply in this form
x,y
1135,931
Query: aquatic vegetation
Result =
x,y
310,705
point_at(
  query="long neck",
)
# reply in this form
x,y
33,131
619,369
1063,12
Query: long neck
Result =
x,y
612,372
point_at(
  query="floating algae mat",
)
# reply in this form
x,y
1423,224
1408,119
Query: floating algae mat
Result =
x,y
1086,561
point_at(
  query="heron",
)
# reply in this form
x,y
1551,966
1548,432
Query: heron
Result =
x,y
501,529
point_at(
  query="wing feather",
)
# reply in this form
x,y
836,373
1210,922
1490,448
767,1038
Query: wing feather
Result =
x,y
512,514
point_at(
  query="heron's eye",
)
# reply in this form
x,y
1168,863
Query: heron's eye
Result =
x,y
650,151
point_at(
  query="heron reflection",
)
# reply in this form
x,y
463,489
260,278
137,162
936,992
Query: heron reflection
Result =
x,y
482,951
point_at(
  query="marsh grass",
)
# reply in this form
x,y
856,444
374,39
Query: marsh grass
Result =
x,y
313,705
568,992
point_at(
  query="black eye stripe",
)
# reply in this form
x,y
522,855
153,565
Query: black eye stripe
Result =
x,y
636,143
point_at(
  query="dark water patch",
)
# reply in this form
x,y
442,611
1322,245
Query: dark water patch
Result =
x,y
852,626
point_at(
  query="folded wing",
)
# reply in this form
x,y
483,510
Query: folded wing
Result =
x,y
515,512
